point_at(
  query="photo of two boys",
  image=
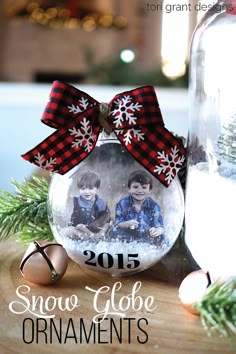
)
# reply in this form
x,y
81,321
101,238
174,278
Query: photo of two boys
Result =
x,y
137,215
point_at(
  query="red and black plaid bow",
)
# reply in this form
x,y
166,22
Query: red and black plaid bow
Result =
x,y
134,116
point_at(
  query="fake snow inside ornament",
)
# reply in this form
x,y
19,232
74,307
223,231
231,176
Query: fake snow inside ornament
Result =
x,y
111,215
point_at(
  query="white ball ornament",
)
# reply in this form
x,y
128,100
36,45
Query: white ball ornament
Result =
x,y
113,216
192,289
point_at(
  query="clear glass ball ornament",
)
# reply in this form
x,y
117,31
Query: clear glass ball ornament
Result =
x,y
113,216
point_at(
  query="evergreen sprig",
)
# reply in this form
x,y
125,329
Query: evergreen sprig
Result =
x,y
24,214
217,308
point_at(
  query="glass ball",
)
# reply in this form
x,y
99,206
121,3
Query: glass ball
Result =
x,y
113,216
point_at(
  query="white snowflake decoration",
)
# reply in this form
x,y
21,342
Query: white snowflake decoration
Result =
x,y
131,134
84,136
171,164
83,105
45,164
125,111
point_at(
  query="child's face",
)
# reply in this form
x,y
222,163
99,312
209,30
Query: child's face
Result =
x,y
139,191
88,193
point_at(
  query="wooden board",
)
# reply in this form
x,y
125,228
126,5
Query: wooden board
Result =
x,y
166,329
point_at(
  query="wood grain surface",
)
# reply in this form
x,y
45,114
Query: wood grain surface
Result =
x,y
168,329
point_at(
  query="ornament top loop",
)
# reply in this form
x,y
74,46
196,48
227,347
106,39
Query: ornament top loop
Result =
x,y
104,111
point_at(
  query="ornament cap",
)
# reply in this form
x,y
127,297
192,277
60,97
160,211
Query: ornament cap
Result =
x,y
104,110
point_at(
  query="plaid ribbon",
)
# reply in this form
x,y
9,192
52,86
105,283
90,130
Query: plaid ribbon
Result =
x,y
134,116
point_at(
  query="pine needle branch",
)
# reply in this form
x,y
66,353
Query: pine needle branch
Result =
x,y
217,308
24,214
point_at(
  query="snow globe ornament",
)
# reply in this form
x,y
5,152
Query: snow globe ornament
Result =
x,y
116,203
211,176
112,215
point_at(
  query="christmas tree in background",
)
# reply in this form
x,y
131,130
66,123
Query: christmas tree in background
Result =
x,y
227,140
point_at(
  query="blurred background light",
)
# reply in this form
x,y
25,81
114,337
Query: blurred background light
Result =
x,y
127,55
175,37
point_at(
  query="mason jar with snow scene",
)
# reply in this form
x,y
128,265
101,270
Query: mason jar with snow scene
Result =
x,y
210,222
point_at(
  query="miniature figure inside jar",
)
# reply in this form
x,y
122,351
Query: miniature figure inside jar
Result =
x,y
112,215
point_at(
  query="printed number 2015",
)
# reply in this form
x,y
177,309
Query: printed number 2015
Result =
x,y
106,260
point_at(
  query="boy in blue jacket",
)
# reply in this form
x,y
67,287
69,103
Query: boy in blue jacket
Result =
x,y
90,212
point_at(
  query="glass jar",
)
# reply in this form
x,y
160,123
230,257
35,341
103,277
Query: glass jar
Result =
x,y
210,219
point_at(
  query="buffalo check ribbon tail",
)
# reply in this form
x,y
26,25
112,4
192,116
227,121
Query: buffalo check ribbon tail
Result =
x,y
134,116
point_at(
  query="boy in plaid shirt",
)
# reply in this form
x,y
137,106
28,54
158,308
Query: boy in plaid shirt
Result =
x,y
138,216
